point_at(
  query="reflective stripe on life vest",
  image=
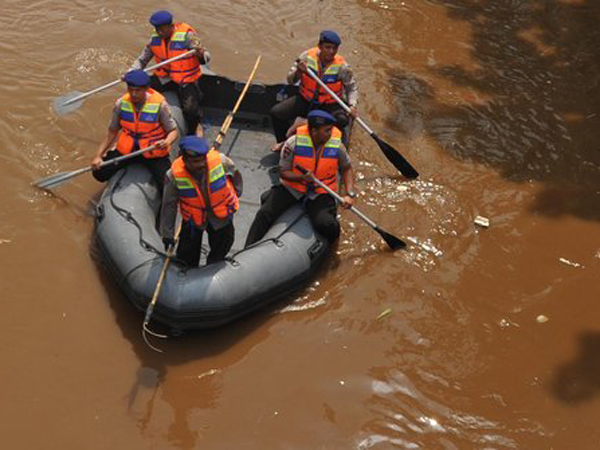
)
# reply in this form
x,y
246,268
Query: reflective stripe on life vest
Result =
x,y
323,166
310,89
223,199
186,70
141,130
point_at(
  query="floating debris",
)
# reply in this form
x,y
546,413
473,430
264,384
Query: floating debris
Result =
x,y
208,373
482,221
427,246
570,263
384,313
5,241
542,318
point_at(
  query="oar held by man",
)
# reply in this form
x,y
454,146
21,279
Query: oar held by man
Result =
x,y
140,118
206,186
168,40
324,61
316,147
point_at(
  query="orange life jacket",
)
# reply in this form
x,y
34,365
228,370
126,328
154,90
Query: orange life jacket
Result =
x,y
186,70
141,130
309,88
324,165
223,201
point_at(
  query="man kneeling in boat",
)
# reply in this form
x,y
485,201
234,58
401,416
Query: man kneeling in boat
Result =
x,y
318,148
141,118
206,186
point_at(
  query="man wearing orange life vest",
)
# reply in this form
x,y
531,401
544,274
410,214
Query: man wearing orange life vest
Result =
x,y
206,186
141,118
318,148
170,40
330,67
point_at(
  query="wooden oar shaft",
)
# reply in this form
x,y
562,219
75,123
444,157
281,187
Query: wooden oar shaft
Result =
x,y
161,278
229,119
114,83
226,124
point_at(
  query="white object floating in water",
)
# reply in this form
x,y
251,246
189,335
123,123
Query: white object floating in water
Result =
x,y
482,221
384,313
542,318
570,263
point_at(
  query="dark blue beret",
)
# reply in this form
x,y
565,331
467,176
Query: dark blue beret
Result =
x,y
317,118
194,144
161,18
330,37
137,78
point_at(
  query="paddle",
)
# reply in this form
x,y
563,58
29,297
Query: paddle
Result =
x,y
392,241
73,100
390,153
216,144
150,308
62,177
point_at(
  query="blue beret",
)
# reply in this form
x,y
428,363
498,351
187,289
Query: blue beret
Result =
x,y
330,37
317,118
194,144
161,18
137,78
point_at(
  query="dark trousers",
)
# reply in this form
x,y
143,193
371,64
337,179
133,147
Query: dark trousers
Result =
x,y
190,243
322,212
157,166
190,97
284,113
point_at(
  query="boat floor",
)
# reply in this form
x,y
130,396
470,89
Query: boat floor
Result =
x,y
248,144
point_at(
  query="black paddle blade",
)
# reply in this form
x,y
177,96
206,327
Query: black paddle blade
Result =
x,y
393,242
396,158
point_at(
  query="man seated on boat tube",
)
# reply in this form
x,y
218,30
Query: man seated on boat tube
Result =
x,y
141,118
206,186
318,148
169,40
329,66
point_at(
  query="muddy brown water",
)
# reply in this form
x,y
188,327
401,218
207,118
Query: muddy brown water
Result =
x,y
496,103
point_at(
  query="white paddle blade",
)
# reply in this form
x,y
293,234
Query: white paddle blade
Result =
x,y
62,106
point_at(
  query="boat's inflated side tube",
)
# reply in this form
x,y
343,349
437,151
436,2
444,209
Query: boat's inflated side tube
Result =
x,y
207,296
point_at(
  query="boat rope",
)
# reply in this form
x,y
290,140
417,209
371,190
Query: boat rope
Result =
x,y
276,240
129,217
143,243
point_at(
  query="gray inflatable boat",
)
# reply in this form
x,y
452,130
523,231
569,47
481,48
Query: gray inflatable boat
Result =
x,y
128,243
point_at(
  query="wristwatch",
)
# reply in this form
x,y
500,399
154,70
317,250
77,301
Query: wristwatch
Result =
x,y
351,194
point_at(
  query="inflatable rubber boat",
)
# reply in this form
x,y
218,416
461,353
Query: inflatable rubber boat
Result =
x,y
283,262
